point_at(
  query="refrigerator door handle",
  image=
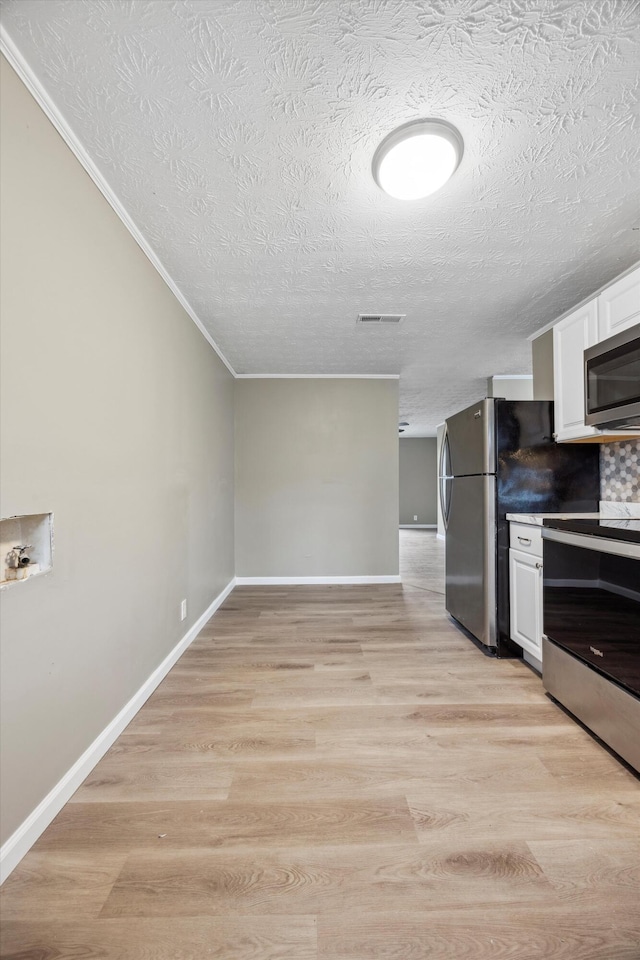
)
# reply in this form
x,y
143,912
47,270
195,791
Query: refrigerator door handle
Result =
x,y
443,477
443,446
445,501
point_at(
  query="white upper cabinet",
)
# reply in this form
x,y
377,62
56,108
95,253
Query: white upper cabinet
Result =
x,y
614,310
571,337
619,306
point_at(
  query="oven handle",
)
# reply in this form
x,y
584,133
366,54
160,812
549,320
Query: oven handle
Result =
x,y
619,548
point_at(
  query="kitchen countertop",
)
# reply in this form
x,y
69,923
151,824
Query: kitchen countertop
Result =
x,y
537,518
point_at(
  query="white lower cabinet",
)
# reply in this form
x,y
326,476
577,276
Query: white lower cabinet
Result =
x,y
525,587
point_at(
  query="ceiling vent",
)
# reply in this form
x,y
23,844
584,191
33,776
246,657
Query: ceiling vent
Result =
x,y
381,318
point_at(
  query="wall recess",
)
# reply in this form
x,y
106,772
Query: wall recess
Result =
x,y
25,547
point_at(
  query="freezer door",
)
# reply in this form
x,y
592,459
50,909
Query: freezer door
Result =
x,y
470,557
470,434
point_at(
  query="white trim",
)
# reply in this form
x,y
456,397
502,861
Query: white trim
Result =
x,y
317,376
61,124
440,536
511,376
282,581
581,303
590,584
28,832
418,526
42,98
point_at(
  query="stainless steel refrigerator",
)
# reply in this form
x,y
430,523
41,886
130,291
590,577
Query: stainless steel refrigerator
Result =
x,y
499,457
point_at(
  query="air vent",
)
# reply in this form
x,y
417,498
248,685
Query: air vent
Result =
x,y
380,317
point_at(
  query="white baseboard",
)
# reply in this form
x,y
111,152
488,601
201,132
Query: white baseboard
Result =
x,y
418,526
293,581
36,823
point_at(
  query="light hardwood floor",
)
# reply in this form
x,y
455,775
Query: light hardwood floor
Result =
x,y
337,773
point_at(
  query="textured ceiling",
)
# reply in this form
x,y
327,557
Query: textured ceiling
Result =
x,y
238,134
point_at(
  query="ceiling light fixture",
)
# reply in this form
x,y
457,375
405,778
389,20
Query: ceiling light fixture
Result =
x,y
417,158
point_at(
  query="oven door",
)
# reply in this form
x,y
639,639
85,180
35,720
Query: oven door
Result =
x,y
612,381
591,602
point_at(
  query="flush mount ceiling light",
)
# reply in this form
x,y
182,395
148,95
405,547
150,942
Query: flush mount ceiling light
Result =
x,y
417,158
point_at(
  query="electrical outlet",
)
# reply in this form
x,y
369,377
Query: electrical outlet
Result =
x,y
183,610
415,516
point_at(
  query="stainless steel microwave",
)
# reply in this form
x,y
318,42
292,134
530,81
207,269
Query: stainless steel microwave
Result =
x,y
612,381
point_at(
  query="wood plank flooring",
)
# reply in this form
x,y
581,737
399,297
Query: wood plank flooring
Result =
x,y
337,773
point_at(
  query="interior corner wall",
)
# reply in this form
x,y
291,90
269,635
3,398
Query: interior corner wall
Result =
x,y
316,477
418,481
542,366
510,388
117,415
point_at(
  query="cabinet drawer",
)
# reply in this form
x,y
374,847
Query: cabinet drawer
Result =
x,y
526,538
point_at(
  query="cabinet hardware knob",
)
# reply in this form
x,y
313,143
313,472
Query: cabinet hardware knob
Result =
x,y
538,566
524,539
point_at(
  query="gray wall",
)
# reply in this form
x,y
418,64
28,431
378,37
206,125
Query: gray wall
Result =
x,y
418,480
542,365
116,415
510,388
316,477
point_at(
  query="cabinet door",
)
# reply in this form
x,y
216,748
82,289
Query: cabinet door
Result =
x,y
619,306
525,593
571,337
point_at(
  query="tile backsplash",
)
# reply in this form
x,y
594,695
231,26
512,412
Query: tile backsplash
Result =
x,y
620,470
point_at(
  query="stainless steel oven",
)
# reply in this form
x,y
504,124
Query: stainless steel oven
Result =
x,y
612,381
591,627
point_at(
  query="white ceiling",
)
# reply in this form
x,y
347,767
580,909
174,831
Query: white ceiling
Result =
x,y
238,135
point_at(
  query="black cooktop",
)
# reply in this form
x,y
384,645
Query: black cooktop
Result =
x,y
612,529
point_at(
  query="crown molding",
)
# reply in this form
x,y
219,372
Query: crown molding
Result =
x,y
51,111
64,128
581,303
